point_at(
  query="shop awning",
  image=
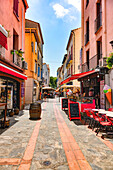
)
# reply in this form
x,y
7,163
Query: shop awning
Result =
x,y
77,76
87,73
12,72
3,37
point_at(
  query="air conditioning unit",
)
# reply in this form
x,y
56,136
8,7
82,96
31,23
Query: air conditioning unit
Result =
x,y
24,65
102,62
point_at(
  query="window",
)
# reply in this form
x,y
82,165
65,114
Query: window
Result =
x,y
15,7
41,74
99,50
38,55
35,47
87,2
87,59
35,66
87,32
98,20
38,71
32,45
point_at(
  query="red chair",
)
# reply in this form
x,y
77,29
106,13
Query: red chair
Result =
x,y
88,116
97,119
110,109
106,124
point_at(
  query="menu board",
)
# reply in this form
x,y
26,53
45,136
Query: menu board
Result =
x,y
74,112
64,103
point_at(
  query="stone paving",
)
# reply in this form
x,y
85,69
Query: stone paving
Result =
x,y
18,141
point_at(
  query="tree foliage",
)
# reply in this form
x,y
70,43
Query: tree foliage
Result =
x,y
53,82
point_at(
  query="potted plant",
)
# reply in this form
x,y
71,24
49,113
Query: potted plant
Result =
x,y
16,111
110,61
19,53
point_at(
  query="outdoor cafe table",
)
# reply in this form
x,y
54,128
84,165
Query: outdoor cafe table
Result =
x,y
97,110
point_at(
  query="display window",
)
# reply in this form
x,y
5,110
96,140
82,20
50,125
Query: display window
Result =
x,y
9,93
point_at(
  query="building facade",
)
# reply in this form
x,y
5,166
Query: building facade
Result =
x,y
34,57
97,27
73,55
46,75
12,46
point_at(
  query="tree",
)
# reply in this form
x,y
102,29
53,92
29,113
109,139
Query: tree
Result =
x,y
53,82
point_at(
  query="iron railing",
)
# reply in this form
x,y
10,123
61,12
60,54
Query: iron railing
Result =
x,y
92,63
17,60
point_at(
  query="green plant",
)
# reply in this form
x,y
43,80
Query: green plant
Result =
x,y
19,53
110,61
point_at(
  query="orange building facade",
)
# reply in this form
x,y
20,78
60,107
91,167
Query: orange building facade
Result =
x,y
34,57
97,26
12,43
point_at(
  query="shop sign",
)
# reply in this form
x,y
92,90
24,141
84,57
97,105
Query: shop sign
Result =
x,y
102,95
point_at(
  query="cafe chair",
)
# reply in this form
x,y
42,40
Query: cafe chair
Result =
x,y
104,125
110,109
88,117
96,119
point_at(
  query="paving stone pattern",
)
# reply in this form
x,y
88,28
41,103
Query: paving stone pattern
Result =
x,y
49,153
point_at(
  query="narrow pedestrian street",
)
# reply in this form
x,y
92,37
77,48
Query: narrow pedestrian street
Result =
x,y
53,142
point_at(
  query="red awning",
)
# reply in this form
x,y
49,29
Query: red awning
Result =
x,y
87,73
3,40
12,72
77,76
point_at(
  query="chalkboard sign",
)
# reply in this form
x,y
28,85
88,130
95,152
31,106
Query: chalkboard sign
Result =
x,y
64,103
74,112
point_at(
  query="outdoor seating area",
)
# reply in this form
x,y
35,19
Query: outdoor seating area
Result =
x,y
100,120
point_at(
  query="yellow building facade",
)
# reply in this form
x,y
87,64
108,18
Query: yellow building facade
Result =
x,y
34,58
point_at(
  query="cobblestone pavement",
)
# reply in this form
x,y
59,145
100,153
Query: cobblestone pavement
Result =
x,y
53,142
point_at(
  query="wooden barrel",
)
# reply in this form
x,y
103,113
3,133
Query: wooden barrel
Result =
x,y
35,110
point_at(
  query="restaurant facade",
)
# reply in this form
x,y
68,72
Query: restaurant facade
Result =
x,y
12,58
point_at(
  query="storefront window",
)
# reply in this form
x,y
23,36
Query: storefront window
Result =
x,y
2,91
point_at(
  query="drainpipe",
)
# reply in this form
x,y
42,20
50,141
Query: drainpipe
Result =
x,y
73,33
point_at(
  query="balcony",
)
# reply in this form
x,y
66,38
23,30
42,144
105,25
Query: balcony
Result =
x,y
17,60
86,37
92,64
98,22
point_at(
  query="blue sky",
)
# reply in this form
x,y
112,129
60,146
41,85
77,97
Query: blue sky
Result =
x,y
57,18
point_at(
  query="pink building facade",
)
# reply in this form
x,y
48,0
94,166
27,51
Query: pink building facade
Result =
x,y
12,39
97,28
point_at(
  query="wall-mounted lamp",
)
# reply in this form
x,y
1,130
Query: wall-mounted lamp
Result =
x,y
111,42
98,76
88,79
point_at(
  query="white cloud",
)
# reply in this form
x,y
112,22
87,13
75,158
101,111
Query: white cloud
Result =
x,y
60,11
75,3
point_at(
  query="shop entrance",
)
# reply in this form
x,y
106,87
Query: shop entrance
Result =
x,y
9,92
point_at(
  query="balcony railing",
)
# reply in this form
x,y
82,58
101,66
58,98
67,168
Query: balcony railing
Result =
x,y
92,64
98,22
17,60
87,37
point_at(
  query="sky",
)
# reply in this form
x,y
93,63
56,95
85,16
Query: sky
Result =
x,y
57,18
